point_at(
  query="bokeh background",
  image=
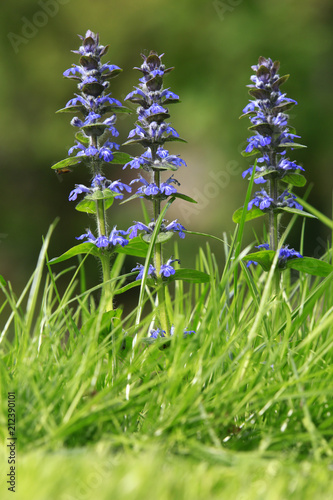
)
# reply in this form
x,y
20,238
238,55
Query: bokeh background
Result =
x,y
212,45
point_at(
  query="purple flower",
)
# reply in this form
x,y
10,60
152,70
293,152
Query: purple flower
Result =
x,y
265,246
79,189
259,180
158,333
153,110
139,131
69,73
176,227
257,142
138,162
166,187
116,237
261,200
117,186
155,334
88,236
103,241
138,226
151,189
169,95
249,108
167,270
166,158
98,181
270,123
287,199
105,154
286,164
287,253
109,67
136,92
140,268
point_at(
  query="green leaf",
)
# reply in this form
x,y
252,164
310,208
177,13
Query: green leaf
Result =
x,y
266,173
297,180
123,289
94,129
150,282
164,166
2,281
89,206
184,197
135,247
293,145
81,137
251,153
82,249
177,195
116,109
260,93
311,266
106,194
130,198
262,128
67,162
120,158
171,138
264,258
262,70
254,213
161,238
249,114
71,109
190,275
279,82
112,74
281,108
296,211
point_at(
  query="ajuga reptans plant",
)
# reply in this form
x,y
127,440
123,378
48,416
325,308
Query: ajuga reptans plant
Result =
x,y
96,149
271,143
153,132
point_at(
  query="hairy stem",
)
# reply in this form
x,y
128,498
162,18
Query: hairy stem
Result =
x,y
273,218
274,228
105,258
158,261
102,229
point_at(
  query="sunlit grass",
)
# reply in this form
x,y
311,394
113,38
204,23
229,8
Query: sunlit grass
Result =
x,y
242,408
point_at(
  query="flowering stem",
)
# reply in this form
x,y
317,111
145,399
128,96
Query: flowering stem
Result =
x,y
105,257
273,218
107,290
158,258
274,228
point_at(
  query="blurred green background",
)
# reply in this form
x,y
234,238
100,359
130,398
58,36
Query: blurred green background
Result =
x,y
212,46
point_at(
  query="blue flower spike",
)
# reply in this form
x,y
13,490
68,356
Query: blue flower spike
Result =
x,y
270,143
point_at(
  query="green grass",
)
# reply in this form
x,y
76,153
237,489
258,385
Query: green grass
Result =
x,y
242,409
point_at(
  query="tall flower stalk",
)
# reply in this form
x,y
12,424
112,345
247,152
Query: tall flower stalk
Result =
x,y
153,131
273,138
95,148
